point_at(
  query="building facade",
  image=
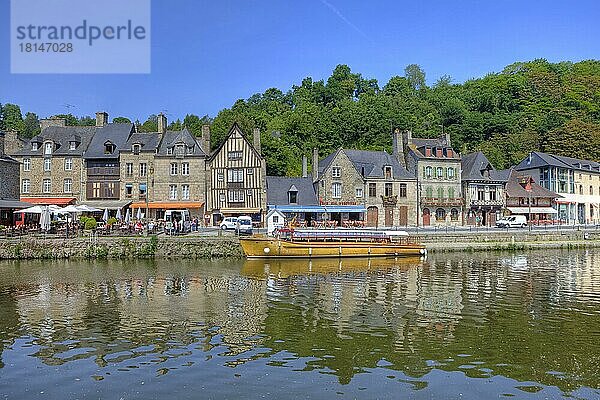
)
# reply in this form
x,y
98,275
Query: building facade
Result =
x,y
483,190
576,181
437,168
237,178
525,197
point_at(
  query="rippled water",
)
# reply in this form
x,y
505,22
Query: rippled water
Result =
x,y
453,326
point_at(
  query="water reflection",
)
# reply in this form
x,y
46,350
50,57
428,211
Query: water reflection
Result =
x,y
533,319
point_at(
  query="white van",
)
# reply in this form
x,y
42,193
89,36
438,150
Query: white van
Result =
x,y
513,221
244,225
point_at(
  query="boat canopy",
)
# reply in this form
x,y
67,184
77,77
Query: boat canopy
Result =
x,y
345,233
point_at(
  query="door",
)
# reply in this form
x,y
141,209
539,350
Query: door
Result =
x,y
389,216
372,216
403,217
426,217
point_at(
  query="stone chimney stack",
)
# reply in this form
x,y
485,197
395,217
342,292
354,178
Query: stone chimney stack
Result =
x,y
447,137
256,139
1,144
101,119
398,146
54,121
206,139
162,123
304,166
315,164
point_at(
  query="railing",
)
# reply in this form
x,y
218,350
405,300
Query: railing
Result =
x,y
235,185
486,202
440,201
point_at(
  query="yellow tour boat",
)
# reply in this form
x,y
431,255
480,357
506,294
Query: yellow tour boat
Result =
x,y
315,243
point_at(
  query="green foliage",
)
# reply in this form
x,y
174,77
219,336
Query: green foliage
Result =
x,y
121,120
150,125
11,118
31,125
90,223
111,221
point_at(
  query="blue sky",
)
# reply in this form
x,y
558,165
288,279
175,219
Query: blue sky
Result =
x,y
207,54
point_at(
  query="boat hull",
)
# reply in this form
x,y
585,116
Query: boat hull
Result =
x,y
274,248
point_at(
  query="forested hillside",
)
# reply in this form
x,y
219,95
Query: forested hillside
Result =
x,y
528,106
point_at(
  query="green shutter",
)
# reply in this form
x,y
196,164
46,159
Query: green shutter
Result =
x,y
424,173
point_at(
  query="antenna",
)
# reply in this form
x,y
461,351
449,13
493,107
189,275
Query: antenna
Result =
x,y
68,107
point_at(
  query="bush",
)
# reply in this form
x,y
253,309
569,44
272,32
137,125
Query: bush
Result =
x,y
90,223
111,221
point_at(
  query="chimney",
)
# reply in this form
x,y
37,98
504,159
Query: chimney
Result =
x,y
447,137
407,137
101,119
206,139
256,138
315,164
1,144
54,121
162,123
398,146
304,166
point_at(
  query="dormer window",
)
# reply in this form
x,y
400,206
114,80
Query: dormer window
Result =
x,y
109,148
449,153
336,172
179,150
48,148
72,145
388,172
190,150
439,152
293,197
169,150
34,146
136,148
427,151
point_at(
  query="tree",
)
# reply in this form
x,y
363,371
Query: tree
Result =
x,y
150,125
70,119
12,119
415,76
86,121
121,120
31,125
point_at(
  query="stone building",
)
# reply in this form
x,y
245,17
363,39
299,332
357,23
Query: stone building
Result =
x,y
9,185
52,167
102,159
372,186
295,198
577,181
437,168
237,184
483,190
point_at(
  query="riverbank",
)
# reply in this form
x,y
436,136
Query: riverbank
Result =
x,y
204,247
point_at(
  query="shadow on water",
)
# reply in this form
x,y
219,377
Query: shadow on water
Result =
x,y
532,319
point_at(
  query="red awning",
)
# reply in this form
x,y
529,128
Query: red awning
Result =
x,y
168,205
46,201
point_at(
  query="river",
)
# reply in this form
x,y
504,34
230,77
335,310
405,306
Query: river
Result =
x,y
458,326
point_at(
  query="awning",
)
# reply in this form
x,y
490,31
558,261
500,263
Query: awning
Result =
x,y
168,205
239,210
107,204
13,204
46,201
534,210
345,209
319,209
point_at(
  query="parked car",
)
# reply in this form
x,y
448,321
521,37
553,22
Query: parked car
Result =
x,y
229,223
244,225
513,221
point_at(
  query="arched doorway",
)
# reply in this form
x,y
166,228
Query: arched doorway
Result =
x,y
426,217
372,216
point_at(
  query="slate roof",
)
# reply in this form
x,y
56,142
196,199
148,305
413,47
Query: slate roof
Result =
x,y
61,136
514,188
372,162
117,134
473,165
538,159
148,141
417,146
171,138
278,187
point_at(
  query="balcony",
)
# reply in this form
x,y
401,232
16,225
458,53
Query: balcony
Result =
x,y
235,185
441,201
484,203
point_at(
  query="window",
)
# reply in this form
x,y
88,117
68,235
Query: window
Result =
x,y
493,195
388,190
234,155
427,151
359,192
128,189
190,150
428,171
249,192
109,148
275,219
591,190
388,172
336,190
179,150
172,192
250,171
68,185
34,146
439,172
454,214
143,189
68,164
440,193
169,151
236,196
429,192
440,214
451,193
336,172
185,192
372,190
129,169
143,169
96,190
47,148
185,169
26,186
72,145
136,149
402,190
480,194
173,168
439,152
220,176
580,187
46,186
47,164
222,197
235,175
27,164
450,173
292,197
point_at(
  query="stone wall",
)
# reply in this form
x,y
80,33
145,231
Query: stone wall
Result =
x,y
9,179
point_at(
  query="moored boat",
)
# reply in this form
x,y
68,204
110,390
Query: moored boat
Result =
x,y
315,243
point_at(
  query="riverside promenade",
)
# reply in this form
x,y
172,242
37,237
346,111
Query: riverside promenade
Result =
x,y
208,245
